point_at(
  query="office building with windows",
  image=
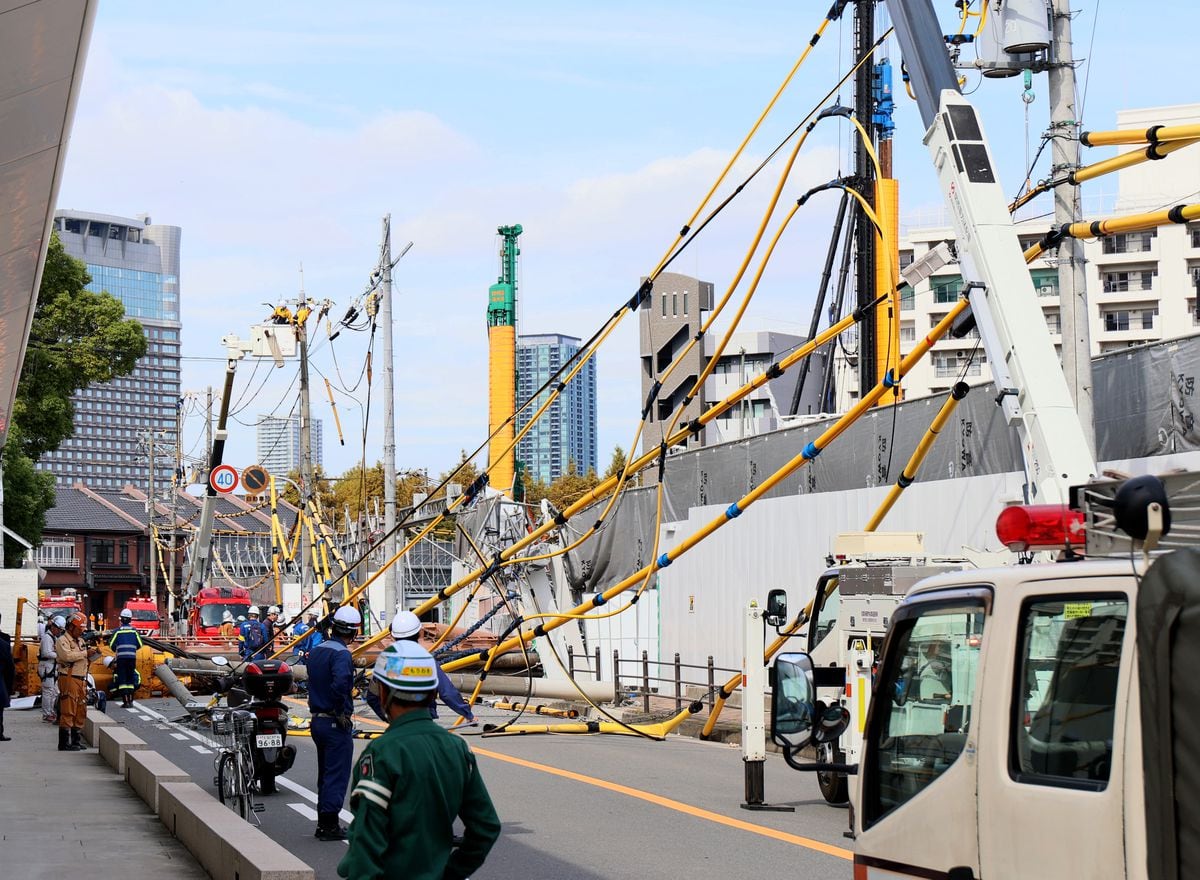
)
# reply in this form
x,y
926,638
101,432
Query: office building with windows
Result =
x,y
138,263
1141,286
566,432
279,443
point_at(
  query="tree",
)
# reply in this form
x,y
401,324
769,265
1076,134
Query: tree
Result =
x,y
616,464
571,486
324,491
77,338
464,478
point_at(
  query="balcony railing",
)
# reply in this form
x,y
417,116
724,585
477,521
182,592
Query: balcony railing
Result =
x,y
54,560
1126,286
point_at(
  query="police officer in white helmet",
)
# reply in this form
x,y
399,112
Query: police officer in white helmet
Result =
x,y
330,705
406,627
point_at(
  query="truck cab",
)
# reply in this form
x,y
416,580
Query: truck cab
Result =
x,y
146,619
209,608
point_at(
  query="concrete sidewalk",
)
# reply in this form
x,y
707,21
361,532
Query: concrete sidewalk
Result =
x,y
67,814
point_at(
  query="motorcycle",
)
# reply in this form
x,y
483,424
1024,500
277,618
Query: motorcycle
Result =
x,y
265,682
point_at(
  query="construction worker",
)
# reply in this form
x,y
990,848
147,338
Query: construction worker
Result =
x,y
411,783
228,630
48,668
406,627
331,705
73,658
251,635
125,643
272,627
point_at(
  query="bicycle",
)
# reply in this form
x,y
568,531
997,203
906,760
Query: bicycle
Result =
x,y
234,763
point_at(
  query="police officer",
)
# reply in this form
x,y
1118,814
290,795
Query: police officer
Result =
x,y
330,705
73,659
251,635
125,643
406,627
48,668
411,783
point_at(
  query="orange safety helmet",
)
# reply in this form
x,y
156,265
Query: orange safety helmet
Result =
x,y
77,619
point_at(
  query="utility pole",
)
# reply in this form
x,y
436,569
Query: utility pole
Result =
x,y
174,508
150,522
1072,284
391,597
306,468
208,437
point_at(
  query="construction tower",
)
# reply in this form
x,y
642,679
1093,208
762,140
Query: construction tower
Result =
x,y
502,363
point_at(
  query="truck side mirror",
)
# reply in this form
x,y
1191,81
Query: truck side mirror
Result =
x,y
776,613
793,700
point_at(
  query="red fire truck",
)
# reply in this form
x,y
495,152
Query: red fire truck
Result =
x,y
210,606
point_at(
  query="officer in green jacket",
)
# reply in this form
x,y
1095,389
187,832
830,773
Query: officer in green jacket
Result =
x,y
411,783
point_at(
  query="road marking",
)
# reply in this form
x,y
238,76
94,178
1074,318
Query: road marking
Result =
x,y
345,815
305,810
202,750
670,804
182,736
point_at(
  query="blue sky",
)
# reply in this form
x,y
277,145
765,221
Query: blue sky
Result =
x,y
277,135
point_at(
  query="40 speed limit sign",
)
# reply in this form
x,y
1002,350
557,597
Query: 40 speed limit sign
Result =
x,y
224,478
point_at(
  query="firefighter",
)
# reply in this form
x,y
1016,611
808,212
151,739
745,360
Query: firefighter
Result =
x,y
8,675
330,705
48,668
406,627
228,630
73,659
125,643
411,783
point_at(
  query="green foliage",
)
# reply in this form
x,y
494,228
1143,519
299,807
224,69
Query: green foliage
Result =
x,y
616,464
77,338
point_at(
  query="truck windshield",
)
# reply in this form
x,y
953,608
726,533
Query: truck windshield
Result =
x,y
922,709
144,614
210,615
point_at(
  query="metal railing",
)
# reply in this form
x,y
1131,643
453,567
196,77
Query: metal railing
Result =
x,y
632,675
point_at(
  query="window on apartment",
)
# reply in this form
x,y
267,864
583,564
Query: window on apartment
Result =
x,y
908,300
908,333
102,551
685,304
1194,234
674,304
1054,322
1114,321
124,554
1128,242
906,258
1131,279
947,290
1148,318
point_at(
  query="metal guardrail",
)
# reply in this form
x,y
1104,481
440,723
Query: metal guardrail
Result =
x,y
640,680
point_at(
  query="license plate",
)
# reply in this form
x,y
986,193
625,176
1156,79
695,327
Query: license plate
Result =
x,y
269,740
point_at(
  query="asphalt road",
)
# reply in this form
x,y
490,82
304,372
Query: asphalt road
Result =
x,y
576,806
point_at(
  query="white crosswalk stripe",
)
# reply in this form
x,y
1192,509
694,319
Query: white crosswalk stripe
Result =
x,y
202,750
305,810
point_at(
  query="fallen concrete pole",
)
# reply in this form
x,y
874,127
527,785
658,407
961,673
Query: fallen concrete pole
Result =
x,y
173,684
544,688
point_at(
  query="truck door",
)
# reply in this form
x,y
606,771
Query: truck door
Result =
x,y
1051,769
918,804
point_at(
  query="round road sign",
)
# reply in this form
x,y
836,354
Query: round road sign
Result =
x,y
255,479
223,478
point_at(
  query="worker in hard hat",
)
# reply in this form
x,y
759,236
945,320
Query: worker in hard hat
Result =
x,y
331,705
74,656
125,643
272,626
228,630
48,667
8,679
309,635
413,781
406,627
252,635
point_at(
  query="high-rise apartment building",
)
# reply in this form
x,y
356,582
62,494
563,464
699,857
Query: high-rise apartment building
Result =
x,y
1141,286
138,263
279,443
566,432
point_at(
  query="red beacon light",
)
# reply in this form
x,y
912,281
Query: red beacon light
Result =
x,y
1024,528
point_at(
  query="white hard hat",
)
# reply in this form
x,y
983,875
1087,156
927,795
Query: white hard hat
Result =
x,y
126,614
405,625
108,661
346,620
253,609
241,617
407,669
227,616
59,621
274,609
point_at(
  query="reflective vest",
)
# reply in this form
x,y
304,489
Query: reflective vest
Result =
x,y
125,642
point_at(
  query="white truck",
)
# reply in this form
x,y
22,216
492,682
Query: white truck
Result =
x,y
1035,720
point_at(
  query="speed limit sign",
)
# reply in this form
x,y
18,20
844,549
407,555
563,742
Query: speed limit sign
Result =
x,y
224,478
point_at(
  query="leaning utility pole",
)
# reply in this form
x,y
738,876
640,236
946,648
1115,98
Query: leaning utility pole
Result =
x,y
1072,284
391,597
307,490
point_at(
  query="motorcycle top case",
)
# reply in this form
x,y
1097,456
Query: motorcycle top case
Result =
x,y
268,679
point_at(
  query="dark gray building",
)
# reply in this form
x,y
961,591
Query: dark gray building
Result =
x,y
138,263
669,318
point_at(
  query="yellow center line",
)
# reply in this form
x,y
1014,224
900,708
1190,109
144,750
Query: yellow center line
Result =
x,y
670,804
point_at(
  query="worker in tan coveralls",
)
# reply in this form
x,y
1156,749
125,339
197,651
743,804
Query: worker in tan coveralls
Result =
x,y
73,659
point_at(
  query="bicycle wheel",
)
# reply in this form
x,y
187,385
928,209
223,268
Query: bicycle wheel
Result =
x,y
227,779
